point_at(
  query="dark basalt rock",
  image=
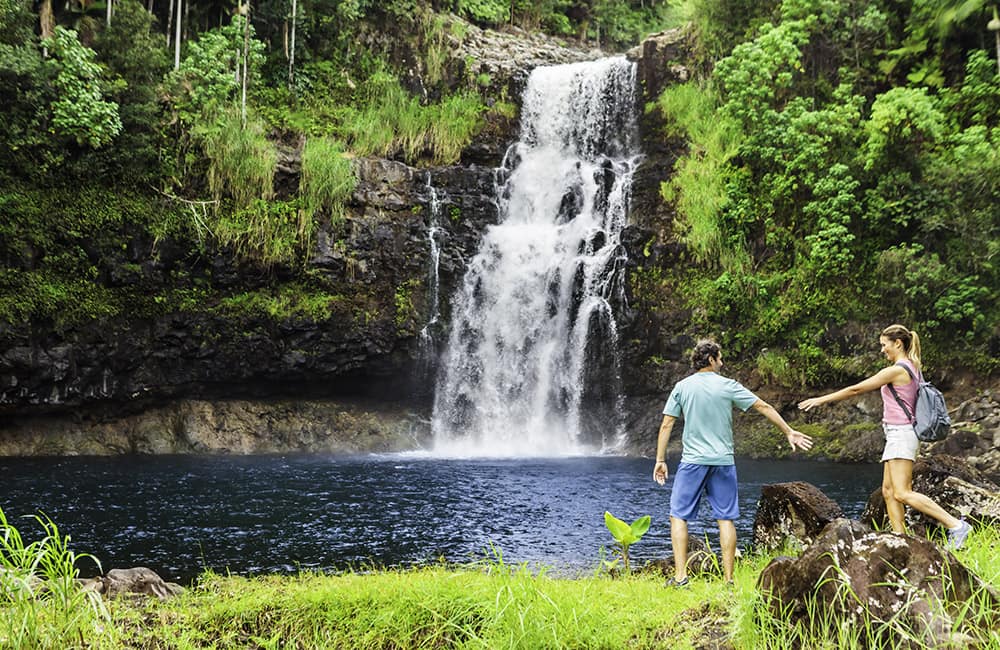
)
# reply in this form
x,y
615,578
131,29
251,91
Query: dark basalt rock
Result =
x,y
795,511
364,348
851,573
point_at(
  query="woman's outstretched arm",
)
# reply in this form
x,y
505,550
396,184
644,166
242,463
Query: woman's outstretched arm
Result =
x,y
878,380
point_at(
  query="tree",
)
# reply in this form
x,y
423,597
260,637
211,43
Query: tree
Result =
x,y
79,112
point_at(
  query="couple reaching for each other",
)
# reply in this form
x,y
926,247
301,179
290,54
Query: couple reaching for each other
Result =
x,y
706,400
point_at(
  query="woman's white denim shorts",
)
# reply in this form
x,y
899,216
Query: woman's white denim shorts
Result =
x,y
900,442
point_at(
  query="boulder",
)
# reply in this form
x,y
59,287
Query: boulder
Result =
x,y
975,435
853,575
794,513
139,581
953,484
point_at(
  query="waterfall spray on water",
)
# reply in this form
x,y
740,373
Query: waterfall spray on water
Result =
x,y
531,365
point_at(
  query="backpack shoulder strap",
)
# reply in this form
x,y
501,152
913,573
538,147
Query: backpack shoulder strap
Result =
x,y
892,389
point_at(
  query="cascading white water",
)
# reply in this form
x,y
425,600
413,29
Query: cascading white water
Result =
x,y
532,352
433,279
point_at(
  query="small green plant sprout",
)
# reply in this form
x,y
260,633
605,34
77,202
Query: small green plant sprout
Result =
x,y
625,535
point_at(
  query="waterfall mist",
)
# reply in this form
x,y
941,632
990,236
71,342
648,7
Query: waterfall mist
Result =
x,y
531,364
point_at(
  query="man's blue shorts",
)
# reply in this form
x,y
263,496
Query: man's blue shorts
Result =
x,y
717,481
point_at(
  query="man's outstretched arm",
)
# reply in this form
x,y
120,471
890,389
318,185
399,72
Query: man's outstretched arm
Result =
x,y
795,438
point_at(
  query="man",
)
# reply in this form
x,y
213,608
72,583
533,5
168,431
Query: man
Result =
x,y
706,400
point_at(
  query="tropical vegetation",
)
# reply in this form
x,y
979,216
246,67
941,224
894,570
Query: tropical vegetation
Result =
x,y
838,164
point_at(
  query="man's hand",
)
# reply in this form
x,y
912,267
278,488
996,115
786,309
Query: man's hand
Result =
x,y
660,472
799,439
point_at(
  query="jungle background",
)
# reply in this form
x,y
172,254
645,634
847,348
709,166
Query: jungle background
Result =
x,y
835,167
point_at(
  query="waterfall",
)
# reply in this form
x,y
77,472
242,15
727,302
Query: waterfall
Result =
x,y
531,365
433,275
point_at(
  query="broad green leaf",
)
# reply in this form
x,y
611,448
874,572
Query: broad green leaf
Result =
x,y
619,529
640,526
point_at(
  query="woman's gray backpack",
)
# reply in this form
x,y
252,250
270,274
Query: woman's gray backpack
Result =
x,y
931,420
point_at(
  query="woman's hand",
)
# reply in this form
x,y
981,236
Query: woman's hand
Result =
x,y
809,404
660,472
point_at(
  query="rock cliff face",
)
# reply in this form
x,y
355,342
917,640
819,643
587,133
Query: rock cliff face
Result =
x,y
145,384
54,382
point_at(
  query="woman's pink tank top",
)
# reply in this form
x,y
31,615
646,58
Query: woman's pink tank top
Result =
x,y
892,412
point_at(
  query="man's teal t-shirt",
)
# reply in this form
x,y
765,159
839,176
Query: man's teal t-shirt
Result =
x,y
706,400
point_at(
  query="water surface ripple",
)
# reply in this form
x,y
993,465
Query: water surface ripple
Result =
x,y
181,514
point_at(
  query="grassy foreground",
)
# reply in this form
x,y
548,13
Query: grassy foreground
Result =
x,y
486,605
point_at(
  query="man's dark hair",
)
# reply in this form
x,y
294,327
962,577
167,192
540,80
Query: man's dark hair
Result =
x,y
704,351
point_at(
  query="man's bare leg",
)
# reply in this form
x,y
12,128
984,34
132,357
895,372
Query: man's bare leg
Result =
x,y
727,540
679,541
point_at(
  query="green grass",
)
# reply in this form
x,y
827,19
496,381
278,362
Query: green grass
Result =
x,y
285,302
494,606
41,603
698,187
241,158
482,605
394,122
327,181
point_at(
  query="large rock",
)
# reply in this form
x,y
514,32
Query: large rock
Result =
x,y
508,56
976,435
852,574
139,581
953,484
793,513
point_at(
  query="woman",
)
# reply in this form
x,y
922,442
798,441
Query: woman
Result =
x,y
902,348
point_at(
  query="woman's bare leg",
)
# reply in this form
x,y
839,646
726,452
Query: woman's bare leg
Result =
x,y
901,478
893,508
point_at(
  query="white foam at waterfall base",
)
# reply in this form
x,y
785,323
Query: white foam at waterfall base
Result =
x,y
513,374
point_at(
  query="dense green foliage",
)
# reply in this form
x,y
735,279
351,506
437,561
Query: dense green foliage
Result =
x,y
837,172
108,147
841,170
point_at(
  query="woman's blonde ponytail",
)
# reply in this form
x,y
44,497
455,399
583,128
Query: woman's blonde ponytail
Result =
x,y
910,340
914,352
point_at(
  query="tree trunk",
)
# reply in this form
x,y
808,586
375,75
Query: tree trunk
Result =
x,y
177,40
46,22
170,20
108,19
246,58
291,47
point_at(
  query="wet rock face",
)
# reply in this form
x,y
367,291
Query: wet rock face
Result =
x,y
663,60
850,573
791,512
377,260
224,427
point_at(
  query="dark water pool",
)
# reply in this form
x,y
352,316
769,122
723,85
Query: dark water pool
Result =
x,y
181,514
